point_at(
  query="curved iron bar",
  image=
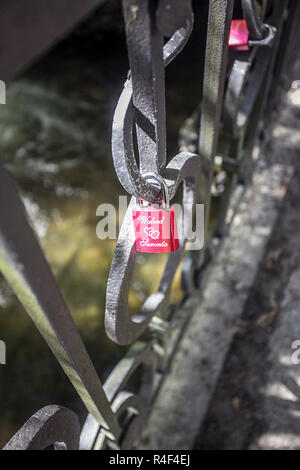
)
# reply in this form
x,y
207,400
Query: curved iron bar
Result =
x,y
257,29
132,405
93,435
120,326
50,426
123,151
142,103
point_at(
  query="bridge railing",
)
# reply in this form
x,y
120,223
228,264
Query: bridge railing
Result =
x,y
237,96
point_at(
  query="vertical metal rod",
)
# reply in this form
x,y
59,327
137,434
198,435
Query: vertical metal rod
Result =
x,y
219,20
145,51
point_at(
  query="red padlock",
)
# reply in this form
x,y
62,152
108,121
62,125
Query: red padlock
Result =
x,y
155,225
239,35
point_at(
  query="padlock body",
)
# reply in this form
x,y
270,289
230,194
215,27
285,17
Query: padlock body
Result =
x,y
155,229
239,35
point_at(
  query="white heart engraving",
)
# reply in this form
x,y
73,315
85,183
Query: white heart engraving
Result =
x,y
150,232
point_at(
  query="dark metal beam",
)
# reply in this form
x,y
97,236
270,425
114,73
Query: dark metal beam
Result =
x,y
28,28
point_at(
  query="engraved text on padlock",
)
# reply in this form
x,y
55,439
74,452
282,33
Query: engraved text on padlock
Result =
x,y
155,225
155,229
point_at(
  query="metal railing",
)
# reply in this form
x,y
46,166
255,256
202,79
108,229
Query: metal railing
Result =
x,y
237,95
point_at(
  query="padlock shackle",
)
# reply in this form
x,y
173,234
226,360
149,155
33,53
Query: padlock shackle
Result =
x,y
162,183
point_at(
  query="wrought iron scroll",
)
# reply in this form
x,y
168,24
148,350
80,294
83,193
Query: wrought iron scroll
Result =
x,y
142,104
93,435
51,427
